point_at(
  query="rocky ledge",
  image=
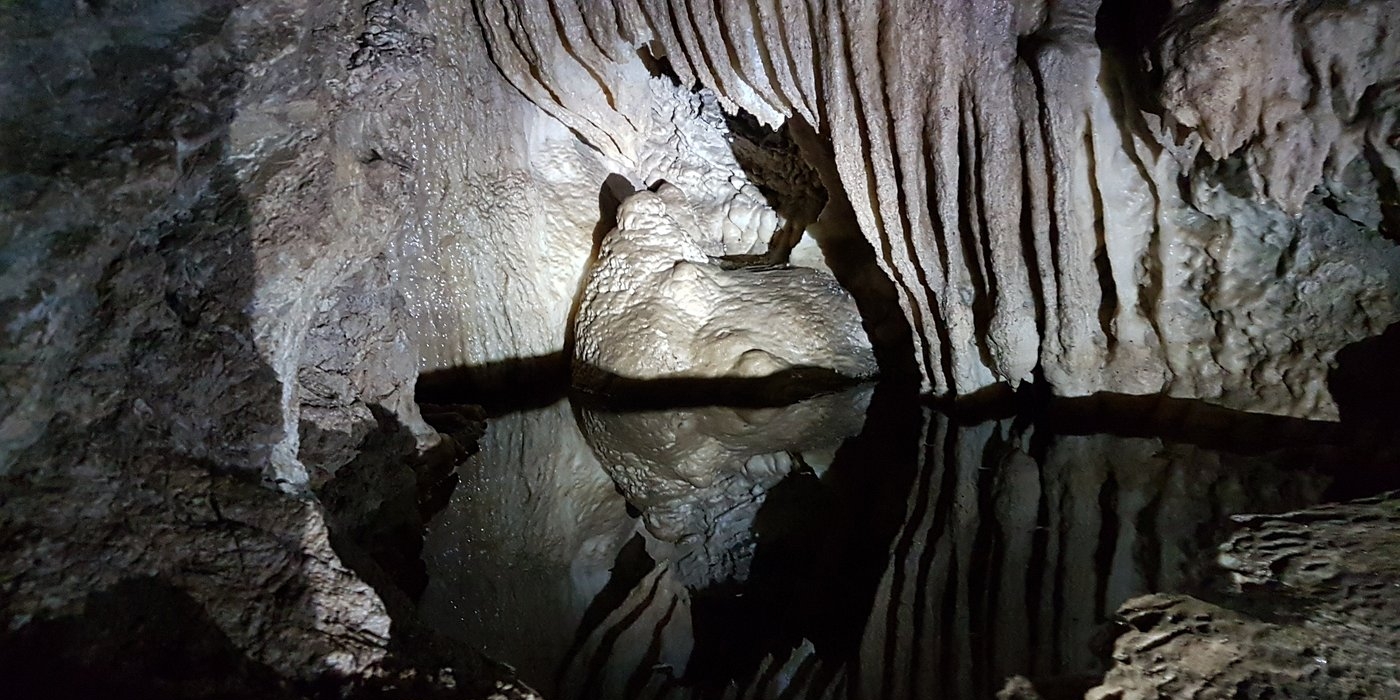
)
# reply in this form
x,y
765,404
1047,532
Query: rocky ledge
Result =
x,y
1315,613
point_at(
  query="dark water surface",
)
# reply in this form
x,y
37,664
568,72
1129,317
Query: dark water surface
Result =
x,y
855,545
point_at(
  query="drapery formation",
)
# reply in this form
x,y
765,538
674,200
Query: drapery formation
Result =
x,y
1125,198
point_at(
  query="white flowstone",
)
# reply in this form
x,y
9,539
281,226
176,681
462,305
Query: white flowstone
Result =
x,y
657,306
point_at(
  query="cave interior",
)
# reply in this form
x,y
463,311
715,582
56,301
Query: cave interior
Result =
x,y
764,349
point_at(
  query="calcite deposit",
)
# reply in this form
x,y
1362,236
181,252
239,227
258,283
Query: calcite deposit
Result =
x,y
658,304
1187,200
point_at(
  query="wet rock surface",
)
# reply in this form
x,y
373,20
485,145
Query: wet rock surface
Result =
x,y
205,379
1316,614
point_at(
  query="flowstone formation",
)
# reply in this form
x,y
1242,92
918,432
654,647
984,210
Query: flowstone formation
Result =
x,y
1186,198
658,304
494,260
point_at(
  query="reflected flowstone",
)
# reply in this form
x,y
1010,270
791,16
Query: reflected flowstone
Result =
x,y
1005,551
699,475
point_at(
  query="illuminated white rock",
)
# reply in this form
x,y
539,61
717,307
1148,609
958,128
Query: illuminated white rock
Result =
x,y
656,305
1040,205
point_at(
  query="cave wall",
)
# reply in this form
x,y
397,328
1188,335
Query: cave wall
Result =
x,y
1174,198
200,323
513,200
231,234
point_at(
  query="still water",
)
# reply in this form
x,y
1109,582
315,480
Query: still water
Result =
x,y
854,545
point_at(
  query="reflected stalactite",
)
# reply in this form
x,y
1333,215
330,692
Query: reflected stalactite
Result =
x,y
923,558
1011,565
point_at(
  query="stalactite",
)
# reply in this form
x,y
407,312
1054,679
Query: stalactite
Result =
x,y
1035,206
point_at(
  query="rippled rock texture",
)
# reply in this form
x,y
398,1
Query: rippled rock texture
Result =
x,y
1315,615
1188,198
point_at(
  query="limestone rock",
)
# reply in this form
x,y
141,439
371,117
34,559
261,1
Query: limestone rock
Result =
x,y
1117,198
1315,616
198,207
656,306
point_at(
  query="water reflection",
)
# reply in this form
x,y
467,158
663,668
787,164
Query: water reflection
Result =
x,y
854,546
699,475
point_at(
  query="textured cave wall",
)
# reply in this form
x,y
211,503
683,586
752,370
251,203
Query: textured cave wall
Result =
x,y
190,189
518,193
200,328
1185,198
